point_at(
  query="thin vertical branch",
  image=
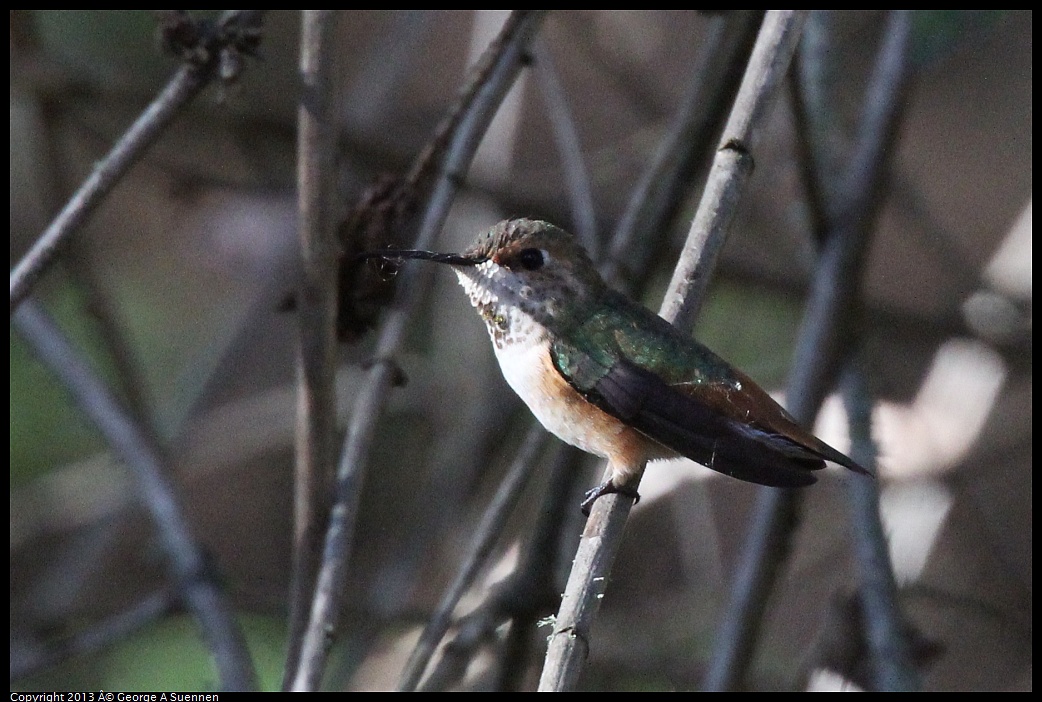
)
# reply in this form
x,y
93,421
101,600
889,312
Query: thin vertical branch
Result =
x,y
189,80
316,305
887,638
885,631
731,167
194,577
715,78
569,643
825,337
820,140
462,143
566,136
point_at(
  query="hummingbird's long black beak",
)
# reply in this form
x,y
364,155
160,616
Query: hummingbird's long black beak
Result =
x,y
451,259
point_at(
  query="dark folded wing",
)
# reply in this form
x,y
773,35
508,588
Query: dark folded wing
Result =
x,y
684,422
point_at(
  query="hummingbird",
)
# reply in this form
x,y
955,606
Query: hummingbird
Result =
x,y
609,376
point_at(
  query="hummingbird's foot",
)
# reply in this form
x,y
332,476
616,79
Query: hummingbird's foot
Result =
x,y
606,488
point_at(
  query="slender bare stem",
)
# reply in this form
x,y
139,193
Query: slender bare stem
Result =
x,y
732,166
885,630
569,643
316,306
825,337
108,172
715,78
195,579
463,142
566,136
888,642
185,85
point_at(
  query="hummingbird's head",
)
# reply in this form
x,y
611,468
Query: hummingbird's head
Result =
x,y
524,276
527,271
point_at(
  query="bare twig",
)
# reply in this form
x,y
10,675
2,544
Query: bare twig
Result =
x,y
316,307
886,634
191,571
566,136
824,337
732,167
819,137
463,142
26,51
569,643
189,80
715,78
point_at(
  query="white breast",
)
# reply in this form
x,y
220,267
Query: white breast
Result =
x,y
558,407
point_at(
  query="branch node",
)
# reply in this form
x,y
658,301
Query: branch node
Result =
x,y
206,44
399,378
738,146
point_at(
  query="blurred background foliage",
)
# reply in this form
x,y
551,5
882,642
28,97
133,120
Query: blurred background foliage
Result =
x,y
173,290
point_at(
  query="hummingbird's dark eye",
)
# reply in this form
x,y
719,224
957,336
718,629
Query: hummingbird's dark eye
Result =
x,y
530,259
